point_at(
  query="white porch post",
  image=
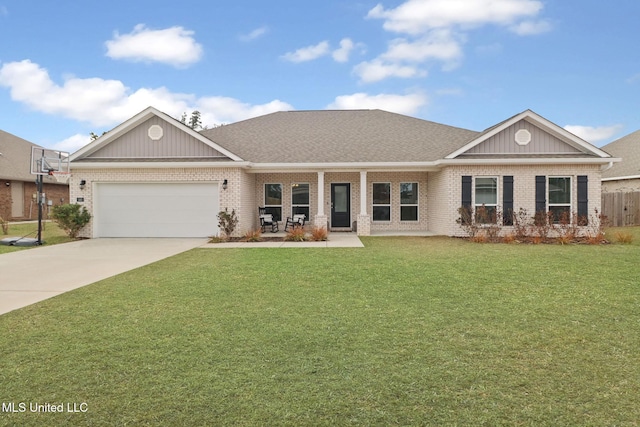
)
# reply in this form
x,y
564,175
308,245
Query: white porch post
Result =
x,y
364,220
320,219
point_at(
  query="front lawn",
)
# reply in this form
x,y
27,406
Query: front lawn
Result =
x,y
51,234
407,331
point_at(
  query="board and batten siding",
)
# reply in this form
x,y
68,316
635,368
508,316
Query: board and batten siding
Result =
x,y
541,142
175,143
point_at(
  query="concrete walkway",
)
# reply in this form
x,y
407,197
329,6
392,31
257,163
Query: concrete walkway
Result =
x,y
33,275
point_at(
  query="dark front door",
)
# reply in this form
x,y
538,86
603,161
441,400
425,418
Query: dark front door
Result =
x,y
340,205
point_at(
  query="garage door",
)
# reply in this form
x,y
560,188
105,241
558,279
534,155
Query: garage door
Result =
x,y
156,210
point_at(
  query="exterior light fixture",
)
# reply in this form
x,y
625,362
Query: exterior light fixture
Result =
x,y
82,184
225,184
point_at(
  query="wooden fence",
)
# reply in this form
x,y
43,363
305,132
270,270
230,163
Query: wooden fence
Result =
x,y
621,208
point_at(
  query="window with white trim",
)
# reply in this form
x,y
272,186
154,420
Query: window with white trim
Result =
x,y
559,198
408,201
381,201
273,200
300,199
486,199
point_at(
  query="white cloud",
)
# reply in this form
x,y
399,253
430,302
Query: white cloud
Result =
x,y
402,104
342,54
530,28
594,134
420,16
174,46
308,53
437,29
73,143
376,70
103,103
257,33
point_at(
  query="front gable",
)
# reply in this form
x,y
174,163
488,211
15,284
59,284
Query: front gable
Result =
x,y
527,135
153,136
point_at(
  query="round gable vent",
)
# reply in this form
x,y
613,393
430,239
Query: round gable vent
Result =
x,y
523,137
155,132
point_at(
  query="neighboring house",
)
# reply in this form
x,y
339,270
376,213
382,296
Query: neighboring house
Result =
x,y
364,170
625,175
17,185
621,183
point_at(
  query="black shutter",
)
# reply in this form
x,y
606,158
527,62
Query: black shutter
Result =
x,y
541,194
583,199
507,200
466,199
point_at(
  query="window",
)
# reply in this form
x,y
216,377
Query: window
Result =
x,y
273,200
300,199
486,200
382,201
408,201
560,198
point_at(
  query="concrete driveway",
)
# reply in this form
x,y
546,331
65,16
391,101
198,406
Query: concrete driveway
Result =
x,y
33,275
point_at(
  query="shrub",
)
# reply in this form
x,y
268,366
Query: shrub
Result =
x,y
625,238
319,234
227,222
71,218
253,236
509,238
296,234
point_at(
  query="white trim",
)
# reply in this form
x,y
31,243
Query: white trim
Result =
x,y
539,122
621,178
156,165
135,121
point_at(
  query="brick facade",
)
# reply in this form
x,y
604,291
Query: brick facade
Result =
x,y
56,194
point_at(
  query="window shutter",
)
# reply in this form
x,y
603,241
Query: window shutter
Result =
x,y
583,199
507,200
466,197
541,194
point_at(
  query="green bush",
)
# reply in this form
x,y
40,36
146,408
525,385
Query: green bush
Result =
x,y
71,218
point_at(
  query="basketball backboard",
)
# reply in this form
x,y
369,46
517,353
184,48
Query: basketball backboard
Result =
x,y
45,161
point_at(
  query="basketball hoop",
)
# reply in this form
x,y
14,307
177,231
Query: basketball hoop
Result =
x,y
60,176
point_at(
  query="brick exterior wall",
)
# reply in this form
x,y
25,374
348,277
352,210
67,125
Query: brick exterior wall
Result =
x,y
523,188
230,198
439,193
56,194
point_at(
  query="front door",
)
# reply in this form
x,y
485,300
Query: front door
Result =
x,y
340,205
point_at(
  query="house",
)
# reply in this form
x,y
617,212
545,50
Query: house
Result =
x,y
621,183
625,175
362,170
17,184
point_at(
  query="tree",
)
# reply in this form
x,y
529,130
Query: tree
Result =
x,y
195,121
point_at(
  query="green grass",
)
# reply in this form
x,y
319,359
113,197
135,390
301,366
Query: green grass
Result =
x,y
407,331
51,234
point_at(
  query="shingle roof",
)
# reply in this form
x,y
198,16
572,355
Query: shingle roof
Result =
x,y
15,161
339,136
627,148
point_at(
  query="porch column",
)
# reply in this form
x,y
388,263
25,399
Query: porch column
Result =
x,y
320,220
364,220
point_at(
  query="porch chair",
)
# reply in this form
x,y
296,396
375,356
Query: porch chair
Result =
x,y
266,220
298,220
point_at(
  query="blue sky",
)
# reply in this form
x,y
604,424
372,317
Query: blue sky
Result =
x,y
71,68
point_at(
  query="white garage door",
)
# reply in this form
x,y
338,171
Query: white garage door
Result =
x,y
156,210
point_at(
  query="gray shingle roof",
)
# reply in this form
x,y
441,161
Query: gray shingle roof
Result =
x,y
627,148
15,162
339,136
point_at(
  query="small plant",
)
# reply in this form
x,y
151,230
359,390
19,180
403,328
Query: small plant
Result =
x,y
467,221
253,236
296,234
71,218
509,238
319,234
227,222
216,239
5,225
624,238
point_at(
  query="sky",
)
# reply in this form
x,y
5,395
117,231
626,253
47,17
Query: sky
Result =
x,y
71,68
